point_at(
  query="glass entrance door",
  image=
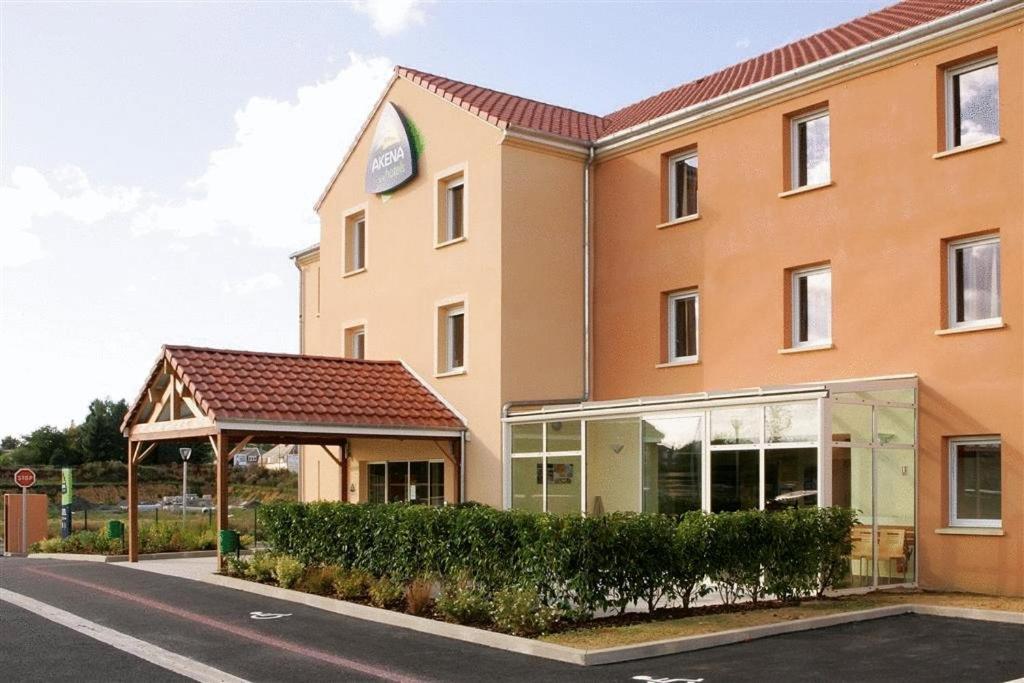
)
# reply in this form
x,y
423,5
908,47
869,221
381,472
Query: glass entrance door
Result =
x,y
874,434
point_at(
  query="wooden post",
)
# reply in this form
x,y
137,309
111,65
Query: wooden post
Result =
x,y
133,502
221,453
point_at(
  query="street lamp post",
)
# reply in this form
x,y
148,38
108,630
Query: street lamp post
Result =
x,y
186,453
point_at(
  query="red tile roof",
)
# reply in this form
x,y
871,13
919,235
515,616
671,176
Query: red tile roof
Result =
x,y
279,387
504,110
861,31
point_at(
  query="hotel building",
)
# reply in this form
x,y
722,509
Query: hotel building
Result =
x,y
796,281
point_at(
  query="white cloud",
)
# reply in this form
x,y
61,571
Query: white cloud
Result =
x,y
284,153
391,17
743,43
66,192
263,282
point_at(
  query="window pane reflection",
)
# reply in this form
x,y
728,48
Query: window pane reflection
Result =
x,y
735,425
734,480
672,463
976,105
790,478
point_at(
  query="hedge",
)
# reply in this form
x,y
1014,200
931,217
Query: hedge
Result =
x,y
577,564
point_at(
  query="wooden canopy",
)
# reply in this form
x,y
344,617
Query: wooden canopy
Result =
x,y
231,398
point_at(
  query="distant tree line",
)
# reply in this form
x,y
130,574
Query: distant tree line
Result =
x,y
97,439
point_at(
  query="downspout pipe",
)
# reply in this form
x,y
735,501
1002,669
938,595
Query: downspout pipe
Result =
x,y
587,191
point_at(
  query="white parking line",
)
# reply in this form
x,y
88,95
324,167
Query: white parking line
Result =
x,y
179,664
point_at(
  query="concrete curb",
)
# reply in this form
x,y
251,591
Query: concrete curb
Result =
x,y
86,557
624,653
970,613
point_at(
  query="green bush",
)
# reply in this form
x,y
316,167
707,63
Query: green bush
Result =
x,y
387,593
262,566
288,571
352,584
319,580
462,601
577,565
236,566
519,611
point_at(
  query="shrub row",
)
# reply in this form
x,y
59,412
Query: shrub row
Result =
x,y
165,537
578,565
513,610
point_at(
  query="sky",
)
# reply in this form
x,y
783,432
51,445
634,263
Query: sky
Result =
x,y
159,161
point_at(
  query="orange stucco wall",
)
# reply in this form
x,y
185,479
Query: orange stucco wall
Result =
x,y
881,226
523,226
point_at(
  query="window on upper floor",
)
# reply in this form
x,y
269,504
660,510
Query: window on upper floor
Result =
x,y
452,338
355,243
975,482
451,201
682,185
454,209
811,297
973,274
972,103
682,319
355,342
810,149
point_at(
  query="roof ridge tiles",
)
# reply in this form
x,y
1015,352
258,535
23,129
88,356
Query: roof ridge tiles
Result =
x,y
505,109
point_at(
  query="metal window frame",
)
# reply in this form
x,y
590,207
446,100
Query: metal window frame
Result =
x,y
952,285
794,146
674,189
672,323
952,125
450,314
954,519
449,209
794,295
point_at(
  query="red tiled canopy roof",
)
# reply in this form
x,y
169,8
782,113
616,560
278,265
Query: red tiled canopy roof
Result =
x,y
278,387
503,109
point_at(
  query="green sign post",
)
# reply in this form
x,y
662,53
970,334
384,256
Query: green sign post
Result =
x,y
67,495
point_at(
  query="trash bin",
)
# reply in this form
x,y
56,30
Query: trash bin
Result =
x,y
115,528
228,541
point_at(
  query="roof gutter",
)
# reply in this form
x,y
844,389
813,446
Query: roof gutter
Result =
x,y
838,62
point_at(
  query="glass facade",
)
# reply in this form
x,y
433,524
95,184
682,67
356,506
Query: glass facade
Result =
x,y
737,454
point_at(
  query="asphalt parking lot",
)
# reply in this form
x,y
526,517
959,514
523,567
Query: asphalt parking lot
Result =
x,y
216,626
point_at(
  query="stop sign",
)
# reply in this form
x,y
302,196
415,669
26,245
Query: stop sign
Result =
x,y
25,477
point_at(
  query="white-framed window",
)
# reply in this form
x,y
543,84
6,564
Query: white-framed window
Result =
x,y
355,243
972,103
420,482
973,268
975,482
355,342
682,185
454,210
454,338
810,149
682,317
812,306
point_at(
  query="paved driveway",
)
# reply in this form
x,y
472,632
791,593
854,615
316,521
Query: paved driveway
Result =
x,y
215,626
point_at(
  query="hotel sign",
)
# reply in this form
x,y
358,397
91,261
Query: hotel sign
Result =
x,y
392,159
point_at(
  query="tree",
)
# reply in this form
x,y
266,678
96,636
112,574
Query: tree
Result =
x,y
46,446
9,443
99,437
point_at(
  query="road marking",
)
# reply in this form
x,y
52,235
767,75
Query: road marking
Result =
x,y
380,672
649,679
166,659
267,615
